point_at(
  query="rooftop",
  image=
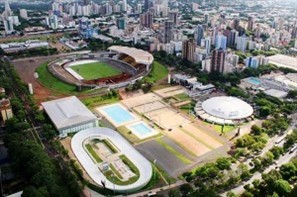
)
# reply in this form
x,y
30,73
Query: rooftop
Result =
x,y
227,108
66,112
140,56
283,61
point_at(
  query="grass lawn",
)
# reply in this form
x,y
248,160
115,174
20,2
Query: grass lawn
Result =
x,y
99,100
95,70
173,151
110,145
218,128
158,72
182,97
93,153
128,135
51,82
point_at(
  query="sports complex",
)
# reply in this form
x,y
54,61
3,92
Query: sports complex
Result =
x,y
115,68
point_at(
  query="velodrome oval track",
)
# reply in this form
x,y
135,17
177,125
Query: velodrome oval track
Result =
x,y
143,165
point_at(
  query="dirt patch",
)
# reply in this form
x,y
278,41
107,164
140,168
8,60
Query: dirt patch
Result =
x,y
26,68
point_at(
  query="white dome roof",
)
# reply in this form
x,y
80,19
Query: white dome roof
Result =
x,y
228,108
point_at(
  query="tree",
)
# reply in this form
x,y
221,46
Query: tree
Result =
x,y
174,193
282,187
277,151
31,191
207,171
267,159
186,189
245,173
256,130
223,163
288,171
292,94
264,111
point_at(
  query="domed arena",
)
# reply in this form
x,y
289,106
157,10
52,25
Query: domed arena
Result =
x,y
223,110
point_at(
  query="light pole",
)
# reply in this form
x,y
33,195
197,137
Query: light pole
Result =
x,y
112,176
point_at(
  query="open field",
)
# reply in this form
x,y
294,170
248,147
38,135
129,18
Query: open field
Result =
x,y
51,82
95,70
158,72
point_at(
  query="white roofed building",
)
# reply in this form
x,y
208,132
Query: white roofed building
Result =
x,y
69,115
223,110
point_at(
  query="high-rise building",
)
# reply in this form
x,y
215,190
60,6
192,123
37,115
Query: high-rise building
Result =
x,y
124,5
146,19
7,11
147,5
168,31
24,13
231,37
8,25
251,23
86,2
188,51
251,62
241,43
199,34
206,18
139,8
121,23
206,43
236,23
173,16
221,42
218,61
195,7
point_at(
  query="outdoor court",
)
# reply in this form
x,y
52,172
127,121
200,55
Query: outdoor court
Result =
x,y
176,126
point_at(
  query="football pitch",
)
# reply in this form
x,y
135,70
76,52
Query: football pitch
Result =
x,y
95,70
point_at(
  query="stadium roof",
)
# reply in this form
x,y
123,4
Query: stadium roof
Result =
x,y
142,164
227,108
283,61
66,112
140,56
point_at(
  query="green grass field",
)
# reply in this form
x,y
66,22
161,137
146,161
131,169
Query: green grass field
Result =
x,y
93,153
95,70
51,82
158,72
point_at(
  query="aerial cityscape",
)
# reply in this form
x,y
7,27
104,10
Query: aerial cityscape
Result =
x,y
139,98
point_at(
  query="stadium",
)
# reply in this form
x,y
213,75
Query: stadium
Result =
x,y
223,110
118,67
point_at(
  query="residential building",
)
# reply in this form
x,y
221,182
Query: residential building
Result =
x,y
188,51
221,42
218,60
199,34
146,19
168,31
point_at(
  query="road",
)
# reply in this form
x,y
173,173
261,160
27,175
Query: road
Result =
x,y
167,187
282,160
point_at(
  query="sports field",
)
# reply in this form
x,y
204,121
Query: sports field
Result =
x,y
95,70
